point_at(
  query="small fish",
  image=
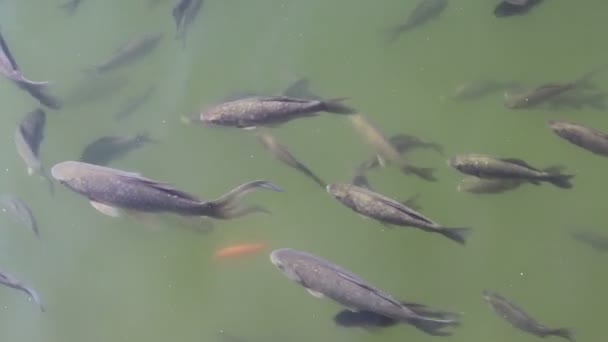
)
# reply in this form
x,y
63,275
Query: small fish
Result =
x,y
37,89
268,111
70,6
484,166
132,104
185,12
109,148
10,281
390,212
237,250
321,278
112,190
597,241
477,185
425,11
507,8
28,137
19,211
281,152
130,52
521,320
581,136
385,151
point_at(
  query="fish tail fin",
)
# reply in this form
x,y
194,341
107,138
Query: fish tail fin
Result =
x,y
305,170
425,173
225,206
434,327
561,180
456,234
393,33
38,91
336,106
563,332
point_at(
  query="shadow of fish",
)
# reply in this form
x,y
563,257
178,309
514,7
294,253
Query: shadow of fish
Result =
x,y
132,104
507,8
19,211
71,6
425,11
184,13
29,134
109,148
37,89
12,282
597,241
128,53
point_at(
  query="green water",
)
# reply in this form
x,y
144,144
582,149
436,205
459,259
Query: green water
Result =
x,y
105,279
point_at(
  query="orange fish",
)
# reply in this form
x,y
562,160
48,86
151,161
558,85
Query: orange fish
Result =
x,y
236,250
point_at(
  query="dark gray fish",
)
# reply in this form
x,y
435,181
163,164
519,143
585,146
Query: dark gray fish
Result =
x,y
509,8
19,211
581,136
12,282
521,320
321,278
487,167
70,6
109,148
28,137
477,89
184,14
389,211
477,185
132,104
301,89
597,241
130,52
268,111
10,70
110,190
281,152
425,11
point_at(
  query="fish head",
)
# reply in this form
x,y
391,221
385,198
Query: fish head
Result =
x,y
68,173
458,162
558,126
338,190
285,260
212,118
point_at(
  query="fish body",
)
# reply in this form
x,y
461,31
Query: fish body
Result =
x,y
403,143
321,278
12,282
597,241
185,13
520,319
19,211
582,136
386,210
109,148
477,185
509,8
424,11
130,52
110,190
28,136
133,104
268,111
484,166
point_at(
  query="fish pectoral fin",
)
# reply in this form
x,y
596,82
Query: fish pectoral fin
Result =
x,y
106,209
518,162
315,293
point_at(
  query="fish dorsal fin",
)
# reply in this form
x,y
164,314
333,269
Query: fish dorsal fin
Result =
x,y
359,282
519,162
399,206
7,53
281,98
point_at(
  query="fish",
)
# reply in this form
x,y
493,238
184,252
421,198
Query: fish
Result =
x,y
270,111
28,136
597,241
385,151
236,250
281,152
520,319
185,13
128,53
477,185
106,149
131,105
12,282
360,180
37,89
425,11
70,6
389,211
507,8
19,211
582,136
322,278
485,166
113,191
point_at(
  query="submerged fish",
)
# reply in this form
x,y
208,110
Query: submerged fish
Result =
x,y
132,104
281,152
321,278
403,143
19,211
10,281
110,190
508,8
484,166
130,52
106,149
10,70
385,151
521,320
388,211
70,6
268,111
184,13
28,137
581,136
597,241
422,13
477,185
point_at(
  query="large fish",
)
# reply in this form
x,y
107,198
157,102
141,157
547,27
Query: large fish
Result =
x,y
321,278
184,13
388,211
19,211
112,190
425,11
582,136
12,282
106,149
130,52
